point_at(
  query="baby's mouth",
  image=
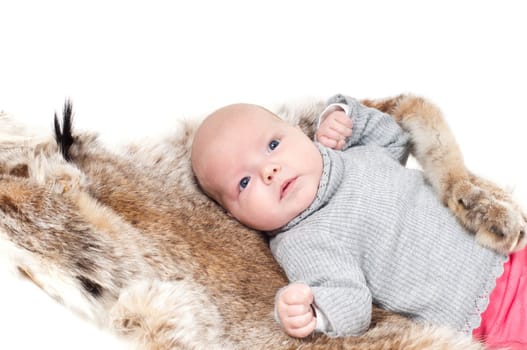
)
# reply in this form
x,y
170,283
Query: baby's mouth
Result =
x,y
286,187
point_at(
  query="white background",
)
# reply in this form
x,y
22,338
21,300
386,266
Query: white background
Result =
x,y
132,68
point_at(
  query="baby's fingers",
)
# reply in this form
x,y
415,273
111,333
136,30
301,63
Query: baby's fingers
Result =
x,y
296,293
342,119
339,129
328,142
297,310
300,326
334,134
299,321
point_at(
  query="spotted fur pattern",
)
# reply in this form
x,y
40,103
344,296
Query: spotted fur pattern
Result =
x,y
126,239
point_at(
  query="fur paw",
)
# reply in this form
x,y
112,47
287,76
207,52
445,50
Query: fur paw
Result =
x,y
490,213
191,322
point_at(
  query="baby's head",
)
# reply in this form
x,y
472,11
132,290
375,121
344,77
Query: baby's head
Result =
x,y
263,171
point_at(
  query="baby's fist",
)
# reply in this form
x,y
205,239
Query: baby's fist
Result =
x,y
334,129
293,306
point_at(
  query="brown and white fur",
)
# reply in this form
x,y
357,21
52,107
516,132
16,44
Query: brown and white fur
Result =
x,y
126,239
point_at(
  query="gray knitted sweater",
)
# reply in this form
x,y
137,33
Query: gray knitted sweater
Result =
x,y
377,233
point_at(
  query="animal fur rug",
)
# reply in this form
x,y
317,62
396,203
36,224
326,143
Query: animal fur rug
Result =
x,y
127,240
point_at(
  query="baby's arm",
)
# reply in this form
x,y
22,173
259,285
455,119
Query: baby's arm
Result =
x,y
370,126
333,285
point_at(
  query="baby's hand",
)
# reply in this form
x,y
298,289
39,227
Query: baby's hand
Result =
x,y
293,306
334,129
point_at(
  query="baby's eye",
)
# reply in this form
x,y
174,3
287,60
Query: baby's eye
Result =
x,y
273,144
244,182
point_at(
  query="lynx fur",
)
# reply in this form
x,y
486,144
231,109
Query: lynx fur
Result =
x,y
127,240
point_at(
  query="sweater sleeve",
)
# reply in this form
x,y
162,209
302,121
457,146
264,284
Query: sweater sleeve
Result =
x,y
371,126
338,284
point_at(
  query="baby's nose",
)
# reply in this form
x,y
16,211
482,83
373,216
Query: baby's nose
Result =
x,y
269,172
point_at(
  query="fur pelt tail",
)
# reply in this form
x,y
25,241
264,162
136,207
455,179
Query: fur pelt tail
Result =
x,y
63,135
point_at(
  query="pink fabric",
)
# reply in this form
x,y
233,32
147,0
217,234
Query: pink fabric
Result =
x,y
504,322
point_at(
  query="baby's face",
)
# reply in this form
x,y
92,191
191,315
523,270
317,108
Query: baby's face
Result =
x,y
263,171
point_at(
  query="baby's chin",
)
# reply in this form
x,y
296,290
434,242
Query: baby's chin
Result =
x,y
270,226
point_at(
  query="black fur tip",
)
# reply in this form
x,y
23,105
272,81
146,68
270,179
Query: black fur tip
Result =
x,y
93,288
63,136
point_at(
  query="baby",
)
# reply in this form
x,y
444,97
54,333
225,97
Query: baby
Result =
x,y
350,225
